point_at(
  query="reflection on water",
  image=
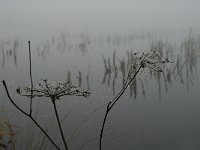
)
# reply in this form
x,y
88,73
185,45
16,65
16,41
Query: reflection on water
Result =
x,y
102,63
190,53
185,57
84,42
9,51
183,67
43,51
107,66
79,79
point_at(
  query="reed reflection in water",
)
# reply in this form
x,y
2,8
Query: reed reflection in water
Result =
x,y
185,57
112,67
9,51
183,67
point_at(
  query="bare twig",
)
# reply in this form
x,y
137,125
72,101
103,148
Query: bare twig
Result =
x,y
28,115
146,60
111,103
53,99
31,78
49,89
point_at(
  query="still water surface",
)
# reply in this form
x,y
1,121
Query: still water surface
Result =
x,y
159,111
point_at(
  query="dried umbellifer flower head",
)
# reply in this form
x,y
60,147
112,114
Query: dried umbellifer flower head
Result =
x,y
47,88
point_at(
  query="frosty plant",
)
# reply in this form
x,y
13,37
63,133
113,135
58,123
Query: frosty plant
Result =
x,y
51,89
151,60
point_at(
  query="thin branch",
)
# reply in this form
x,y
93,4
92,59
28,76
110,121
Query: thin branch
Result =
x,y
28,115
5,86
31,78
123,89
113,102
143,63
103,125
59,124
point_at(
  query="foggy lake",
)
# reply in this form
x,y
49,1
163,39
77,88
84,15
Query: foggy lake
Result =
x,y
93,45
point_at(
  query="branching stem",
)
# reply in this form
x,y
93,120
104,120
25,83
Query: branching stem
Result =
x,y
113,102
29,115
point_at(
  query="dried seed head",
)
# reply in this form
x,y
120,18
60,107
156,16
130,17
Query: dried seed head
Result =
x,y
51,89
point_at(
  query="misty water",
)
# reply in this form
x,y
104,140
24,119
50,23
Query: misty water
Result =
x,y
91,44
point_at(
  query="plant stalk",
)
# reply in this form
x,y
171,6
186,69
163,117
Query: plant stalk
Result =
x,y
29,115
111,103
53,99
31,78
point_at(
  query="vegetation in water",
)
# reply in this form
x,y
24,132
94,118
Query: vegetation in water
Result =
x,y
131,67
50,89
